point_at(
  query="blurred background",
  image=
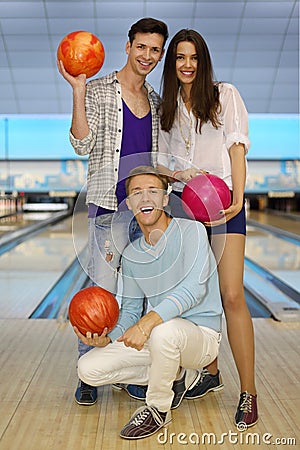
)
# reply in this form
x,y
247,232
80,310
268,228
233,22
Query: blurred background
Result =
x,y
253,44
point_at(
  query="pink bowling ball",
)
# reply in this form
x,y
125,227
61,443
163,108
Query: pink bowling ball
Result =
x,y
204,196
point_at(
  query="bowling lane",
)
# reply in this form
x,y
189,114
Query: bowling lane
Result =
x,y
15,222
278,255
272,246
286,222
30,270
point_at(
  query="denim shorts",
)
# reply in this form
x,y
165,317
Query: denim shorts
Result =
x,y
235,225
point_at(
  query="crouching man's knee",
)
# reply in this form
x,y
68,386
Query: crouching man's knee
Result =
x,y
86,371
163,334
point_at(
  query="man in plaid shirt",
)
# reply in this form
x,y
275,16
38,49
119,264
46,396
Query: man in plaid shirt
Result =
x,y
115,122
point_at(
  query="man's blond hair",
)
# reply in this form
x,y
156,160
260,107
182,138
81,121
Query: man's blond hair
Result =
x,y
146,170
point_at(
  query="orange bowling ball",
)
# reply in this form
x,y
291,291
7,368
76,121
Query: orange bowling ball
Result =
x,y
81,52
93,309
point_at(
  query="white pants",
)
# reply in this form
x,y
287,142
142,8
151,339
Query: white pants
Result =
x,y
172,344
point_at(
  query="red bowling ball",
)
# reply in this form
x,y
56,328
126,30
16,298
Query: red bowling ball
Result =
x,y
204,197
81,52
93,309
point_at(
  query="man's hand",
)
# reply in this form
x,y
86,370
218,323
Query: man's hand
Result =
x,y
78,82
93,339
133,337
138,334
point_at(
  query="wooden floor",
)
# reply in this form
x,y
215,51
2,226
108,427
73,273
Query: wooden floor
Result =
x,y
38,412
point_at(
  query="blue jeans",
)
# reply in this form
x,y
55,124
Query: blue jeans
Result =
x,y
109,234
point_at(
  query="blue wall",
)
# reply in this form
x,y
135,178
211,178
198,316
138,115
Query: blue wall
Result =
x,y
36,155
37,137
30,137
274,136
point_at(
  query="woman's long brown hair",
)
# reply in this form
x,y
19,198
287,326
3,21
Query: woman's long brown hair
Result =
x,y
204,93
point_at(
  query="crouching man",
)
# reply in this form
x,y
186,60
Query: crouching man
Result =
x,y
173,267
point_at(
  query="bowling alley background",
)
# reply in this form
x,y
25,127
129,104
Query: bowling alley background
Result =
x,y
43,237
254,45
37,160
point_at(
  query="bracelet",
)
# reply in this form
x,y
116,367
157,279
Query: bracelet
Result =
x,y
142,331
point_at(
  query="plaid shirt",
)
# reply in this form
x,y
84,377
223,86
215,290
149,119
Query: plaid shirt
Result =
x,y
104,110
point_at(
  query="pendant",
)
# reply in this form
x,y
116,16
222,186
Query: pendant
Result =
x,y
187,147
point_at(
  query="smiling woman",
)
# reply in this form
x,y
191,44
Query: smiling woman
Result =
x,y
186,65
204,127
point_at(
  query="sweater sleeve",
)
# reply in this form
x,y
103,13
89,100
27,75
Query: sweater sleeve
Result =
x,y
132,303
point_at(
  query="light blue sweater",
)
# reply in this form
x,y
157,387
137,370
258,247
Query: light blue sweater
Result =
x,y
178,276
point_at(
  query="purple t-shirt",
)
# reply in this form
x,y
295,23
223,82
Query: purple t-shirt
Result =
x,y
135,151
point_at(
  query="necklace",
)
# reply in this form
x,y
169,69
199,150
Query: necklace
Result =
x,y
187,139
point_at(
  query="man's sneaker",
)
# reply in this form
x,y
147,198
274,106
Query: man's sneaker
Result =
x,y
85,394
180,387
135,391
246,412
206,383
146,421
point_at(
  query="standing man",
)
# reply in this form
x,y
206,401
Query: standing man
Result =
x,y
115,122
173,266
